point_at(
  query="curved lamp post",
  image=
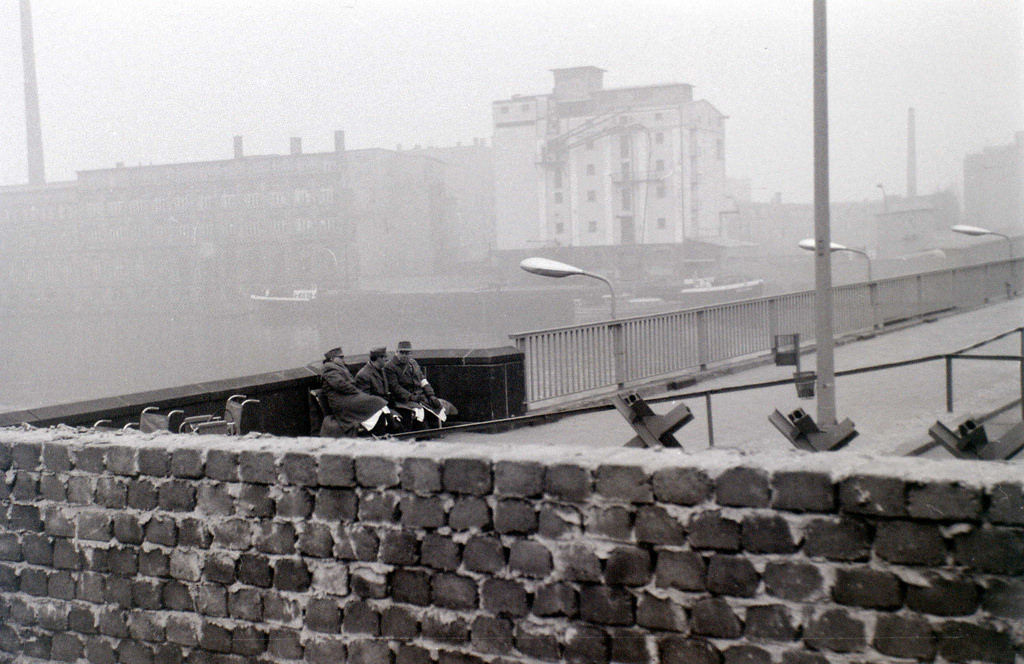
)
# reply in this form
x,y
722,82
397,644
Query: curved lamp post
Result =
x,y
976,231
546,267
808,244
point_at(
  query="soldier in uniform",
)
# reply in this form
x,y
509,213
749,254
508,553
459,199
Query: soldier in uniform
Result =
x,y
409,386
355,411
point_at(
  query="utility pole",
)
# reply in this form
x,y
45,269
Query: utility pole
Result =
x,y
33,127
823,318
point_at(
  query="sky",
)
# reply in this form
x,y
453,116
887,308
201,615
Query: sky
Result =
x,y
167,81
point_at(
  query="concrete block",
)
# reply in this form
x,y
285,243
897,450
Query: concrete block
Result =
x,y
491,635
555,599
379,506
512,515
291,574
187,463
421,476
655,525
335,505
154,461
529,558
908,636
837,631
177,496
142,494
222,465
519,478
56,458
299,469
944,596
624,483
606,605
628,566
467,476
121,460
944,501
767,534
803,491
683,570
453,591
422,512
377,472
335,470
732,575
567,482
842,539
743,487
997,550
294,503
503,596
257,467
711,530
468,513
910,543
660,614
874,496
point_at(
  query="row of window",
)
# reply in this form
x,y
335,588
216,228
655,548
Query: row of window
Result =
x,y
660,191
661,223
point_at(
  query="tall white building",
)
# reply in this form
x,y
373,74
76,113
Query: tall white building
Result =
x,y
586,166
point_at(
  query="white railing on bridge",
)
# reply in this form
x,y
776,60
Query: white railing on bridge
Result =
x,y
581,360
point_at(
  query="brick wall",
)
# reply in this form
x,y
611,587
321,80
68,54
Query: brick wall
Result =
x,y
162,548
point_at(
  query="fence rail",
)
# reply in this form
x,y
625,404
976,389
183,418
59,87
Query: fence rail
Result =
x,y
588,359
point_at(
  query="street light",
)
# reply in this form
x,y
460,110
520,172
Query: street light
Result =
x,y
885,199
975,231
808,244
546,267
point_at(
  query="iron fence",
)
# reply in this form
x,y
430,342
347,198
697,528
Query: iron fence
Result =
x,y
580,360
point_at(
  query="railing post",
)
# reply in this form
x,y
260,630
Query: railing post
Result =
x,y
619,351
702,339
876,315
949,383
1022,373
711,426
919,296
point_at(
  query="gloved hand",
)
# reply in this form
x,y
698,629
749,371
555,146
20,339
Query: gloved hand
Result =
x,y
435,403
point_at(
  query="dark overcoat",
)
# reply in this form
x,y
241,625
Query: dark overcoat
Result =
x,y
349,404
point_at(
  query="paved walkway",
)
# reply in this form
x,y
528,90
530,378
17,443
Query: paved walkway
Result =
x,y
891,409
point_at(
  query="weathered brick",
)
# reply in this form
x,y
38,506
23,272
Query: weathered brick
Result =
x,y
743,487
967,642
127,528
154,461
398,622
65,555
379,506
710,530
60,585
519,478
294,503
792,581
80,490
682,486
95,526
26,486
679,650
715,618
117,590
368,583
587,644
1006,503
187,463
214,637
803,491
315,540
412,654
26,456
943,596
123,560
660,613
444,629
5,456
81,620
944,501
186,565
142,494
37,549
421,476
113,622
360,618
278,608
356,543
1004,598
254,500
162,530
299,469
907,636
579,563
146,626
770,622
222,465
556,599
10,547
410,587
335,470
99,651
467,476
612,522
835,630
530,559
51,487
284,643
767,534
325,651
683,570
998,550
121,460
628,566
368,651
567,482
875,496
177,596
607,605
89,459
66,647
177,496
559,521
732,575
503,597
453,591
626,483
56,458
843,538
515,516
291,574
335,505
254,570
60,522
655,525
275,537
422,512
377,472
483,553
246,604
257,467
399,547
491,635
868,588
910,543
248,641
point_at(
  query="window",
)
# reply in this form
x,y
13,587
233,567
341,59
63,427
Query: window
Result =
x,y
590,169
659,116
720,149
504,109
590,145
525,107
591,195
558,197
558,178
592,227
659,165
624,146
659,137
627,199
661,191
560,228
661,223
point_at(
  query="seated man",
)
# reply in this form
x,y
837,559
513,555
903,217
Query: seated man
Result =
x,y
371,379
355,411
409,386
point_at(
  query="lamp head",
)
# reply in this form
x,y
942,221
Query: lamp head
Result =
x,y
808,244
546,267
974,231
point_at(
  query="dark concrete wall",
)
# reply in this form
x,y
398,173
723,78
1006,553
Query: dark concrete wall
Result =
x,y
130,548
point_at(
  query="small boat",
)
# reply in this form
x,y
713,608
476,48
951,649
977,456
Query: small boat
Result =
x,y
704,291
297,295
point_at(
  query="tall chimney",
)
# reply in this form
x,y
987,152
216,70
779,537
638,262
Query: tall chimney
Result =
x,y
238,148
339,141
296,145
33,127
911,156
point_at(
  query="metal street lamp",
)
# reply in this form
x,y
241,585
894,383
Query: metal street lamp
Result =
x,y
808,244
546,267
976,231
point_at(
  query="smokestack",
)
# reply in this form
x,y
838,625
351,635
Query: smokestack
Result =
x,y
33,126
339,141
238,148
296,145
911,156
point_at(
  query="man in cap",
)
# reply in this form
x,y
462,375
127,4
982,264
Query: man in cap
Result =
x,y
371,379
408,385
355,410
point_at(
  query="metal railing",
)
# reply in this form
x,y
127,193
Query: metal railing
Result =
x,y
595,358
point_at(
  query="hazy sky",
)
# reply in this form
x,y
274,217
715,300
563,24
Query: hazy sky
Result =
x,y
163,81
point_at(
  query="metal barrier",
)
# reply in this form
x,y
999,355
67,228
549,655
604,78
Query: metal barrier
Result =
x,y
581,360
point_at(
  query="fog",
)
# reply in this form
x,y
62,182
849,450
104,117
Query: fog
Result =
x,y
158,81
